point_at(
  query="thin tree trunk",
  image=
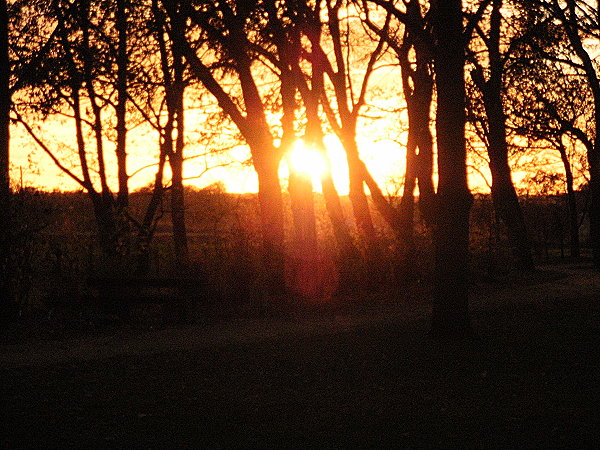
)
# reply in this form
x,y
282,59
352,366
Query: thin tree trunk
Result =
x,y
425,143
121,106
450,315
358,198
173,68
417,85
348,251
146,227
571,27
594,209
575,249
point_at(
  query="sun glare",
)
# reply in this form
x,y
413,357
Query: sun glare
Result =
x,y
306,161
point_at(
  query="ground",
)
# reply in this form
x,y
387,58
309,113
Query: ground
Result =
x,y
367,379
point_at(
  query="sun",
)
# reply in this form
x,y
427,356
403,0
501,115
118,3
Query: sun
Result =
x,y
306,160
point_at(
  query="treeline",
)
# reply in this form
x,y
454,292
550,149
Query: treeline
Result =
x,y
267,72
56,254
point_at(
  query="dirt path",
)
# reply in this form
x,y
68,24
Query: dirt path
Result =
x,y
532,380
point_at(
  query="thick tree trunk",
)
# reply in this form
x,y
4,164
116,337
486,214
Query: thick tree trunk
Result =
x,y
272,225
302,266
107,229
303,211
6,297
176,162
451,235
506,201
178,212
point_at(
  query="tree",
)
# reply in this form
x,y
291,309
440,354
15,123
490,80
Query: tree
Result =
x,y
549,103
6,299
580,21
69,79
223,34
350,99
311,88
172,134
84,77
414,51
5,104
488,64
451,235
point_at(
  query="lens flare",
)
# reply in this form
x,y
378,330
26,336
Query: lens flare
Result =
x,y
306,160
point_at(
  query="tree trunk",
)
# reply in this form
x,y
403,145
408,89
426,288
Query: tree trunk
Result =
x,y
6,297
121,106
506,201
272,225
176,162
303,211
451,235
358,198
594,211
302,266
178,212
314,135
571,204
348,251
173,68
417,84
107,228
5,104
572,29
425,143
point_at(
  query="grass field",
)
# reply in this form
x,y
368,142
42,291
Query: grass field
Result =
x,y
367,378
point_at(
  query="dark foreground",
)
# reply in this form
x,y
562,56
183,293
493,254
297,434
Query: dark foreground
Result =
x,y
531,380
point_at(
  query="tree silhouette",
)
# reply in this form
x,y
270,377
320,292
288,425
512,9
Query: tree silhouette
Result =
x,y
312,88
451,234
580,21
488,77
6,299
225,32
549,102
414,51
